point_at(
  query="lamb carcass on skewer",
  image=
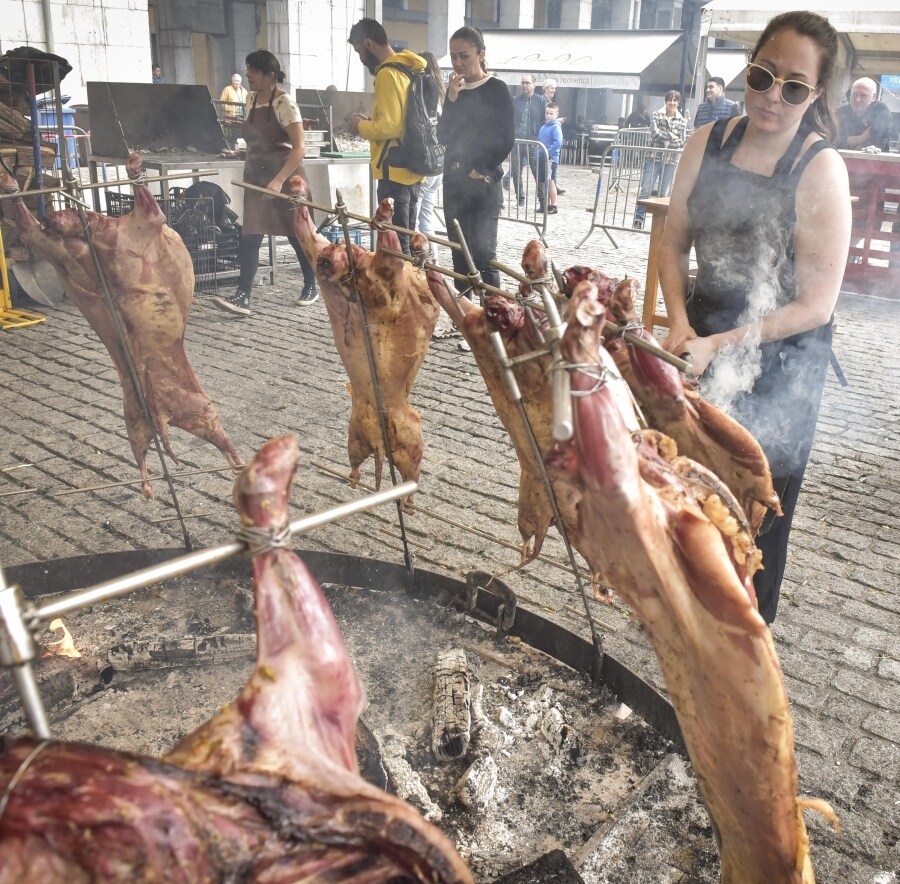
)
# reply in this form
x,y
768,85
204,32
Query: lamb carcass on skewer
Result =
x,y
267,791
667,536
401,315
151,280
519,335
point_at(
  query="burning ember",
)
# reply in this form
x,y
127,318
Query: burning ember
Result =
x,y
65,647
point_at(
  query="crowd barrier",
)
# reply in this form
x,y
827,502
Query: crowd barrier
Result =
x,y
629,170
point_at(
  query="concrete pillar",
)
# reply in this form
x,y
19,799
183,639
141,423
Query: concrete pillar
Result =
x,y
283,38
444,18
518,14
174,37
622,15
576,15
244,32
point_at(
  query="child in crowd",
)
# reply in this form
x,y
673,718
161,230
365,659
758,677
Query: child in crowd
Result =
x,y
552,138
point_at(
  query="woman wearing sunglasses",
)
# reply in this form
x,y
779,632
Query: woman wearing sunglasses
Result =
x,y
764,201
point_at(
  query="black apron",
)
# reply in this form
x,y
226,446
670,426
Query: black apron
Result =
x,y
743,230
267,148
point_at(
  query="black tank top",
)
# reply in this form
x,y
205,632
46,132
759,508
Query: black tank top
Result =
x,y
743,231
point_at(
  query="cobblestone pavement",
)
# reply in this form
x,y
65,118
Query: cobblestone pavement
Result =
x,y
278,372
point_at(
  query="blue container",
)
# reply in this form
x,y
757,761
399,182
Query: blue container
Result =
x,y
47,122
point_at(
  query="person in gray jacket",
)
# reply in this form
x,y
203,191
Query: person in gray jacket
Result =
x,y
529,115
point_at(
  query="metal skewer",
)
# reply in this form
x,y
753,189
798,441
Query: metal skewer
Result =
x,y
118,183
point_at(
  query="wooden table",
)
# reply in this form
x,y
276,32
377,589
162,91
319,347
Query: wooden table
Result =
x,y
657,207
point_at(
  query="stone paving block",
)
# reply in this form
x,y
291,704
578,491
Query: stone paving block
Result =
x,y
836,650
876,639
824,736
804,665
878,579
879,756
883,724
803,694
884,694
857,829
852,711
889,667
869,614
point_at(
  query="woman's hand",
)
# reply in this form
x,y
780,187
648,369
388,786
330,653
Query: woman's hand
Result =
x,y
275,184
678,336
700,352
455,84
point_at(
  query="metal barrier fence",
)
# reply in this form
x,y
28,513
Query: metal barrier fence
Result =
x,y
524,166
629,170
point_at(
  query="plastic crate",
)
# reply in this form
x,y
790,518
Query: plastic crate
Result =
x,y
335,233
213,250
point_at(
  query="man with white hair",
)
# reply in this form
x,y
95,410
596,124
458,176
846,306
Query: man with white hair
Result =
x,y
234,95
863,121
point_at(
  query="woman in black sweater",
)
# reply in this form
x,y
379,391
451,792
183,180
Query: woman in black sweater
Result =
x,y
477,126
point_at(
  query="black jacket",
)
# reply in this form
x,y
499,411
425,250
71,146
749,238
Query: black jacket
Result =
x,y
477,128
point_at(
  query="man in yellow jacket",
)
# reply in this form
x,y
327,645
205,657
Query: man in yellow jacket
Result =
x,y
386,127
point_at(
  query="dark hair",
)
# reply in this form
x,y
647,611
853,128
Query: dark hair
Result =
x,y
817,28
263,61
431,67
551,105
473,36
673,93
717,80
368,29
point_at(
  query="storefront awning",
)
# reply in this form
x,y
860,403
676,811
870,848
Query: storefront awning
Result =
x,y
627,61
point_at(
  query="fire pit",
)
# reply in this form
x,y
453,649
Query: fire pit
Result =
x,y
572,768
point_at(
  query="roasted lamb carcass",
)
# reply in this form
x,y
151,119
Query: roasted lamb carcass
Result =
x,y
519,336
668,537
702,431
401,315
268,791
151,280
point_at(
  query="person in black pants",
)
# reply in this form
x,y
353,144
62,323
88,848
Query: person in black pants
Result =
x,y
763,201
477,127
273,130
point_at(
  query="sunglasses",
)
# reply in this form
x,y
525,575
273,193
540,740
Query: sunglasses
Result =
x,y
760,79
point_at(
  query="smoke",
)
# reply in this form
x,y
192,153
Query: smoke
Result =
x,y
774,388
736,367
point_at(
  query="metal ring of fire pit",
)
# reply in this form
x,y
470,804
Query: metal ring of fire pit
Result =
x,y
39,579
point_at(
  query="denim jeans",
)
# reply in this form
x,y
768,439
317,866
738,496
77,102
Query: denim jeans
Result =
x,y
428,197
406,198
656,180
523,155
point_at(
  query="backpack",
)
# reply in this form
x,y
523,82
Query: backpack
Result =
x,y
418,149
